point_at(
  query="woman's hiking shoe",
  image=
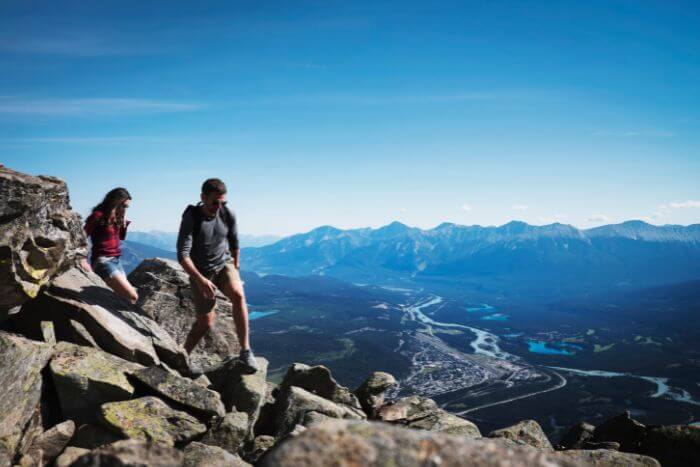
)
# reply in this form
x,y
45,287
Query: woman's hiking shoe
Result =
x,y
245,362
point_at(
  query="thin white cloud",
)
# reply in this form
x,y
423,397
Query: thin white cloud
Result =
x,y
598,218
466,207
91,106
520,207
682,204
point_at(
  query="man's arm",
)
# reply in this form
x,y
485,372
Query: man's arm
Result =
x,y
233,241
184,246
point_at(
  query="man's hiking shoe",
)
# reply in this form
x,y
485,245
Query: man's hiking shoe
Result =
x,y
245,362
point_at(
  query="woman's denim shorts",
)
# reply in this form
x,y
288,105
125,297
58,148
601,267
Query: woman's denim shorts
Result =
x,y
107,266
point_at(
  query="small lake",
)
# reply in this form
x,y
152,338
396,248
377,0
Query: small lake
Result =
x,y
260,314
482,307
496,317
545,348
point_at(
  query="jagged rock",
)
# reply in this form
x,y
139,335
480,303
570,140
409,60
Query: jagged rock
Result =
x,y
265,424
185,392
604,458
318,380
131,453
149,418
314,418
92,436
609,445
244,393
21,382
203,381
116,326
423,414
378,444
32,459
255,449
370,394
165,296
32,431
228,433
295,402
204,455
85,378
48,333
622,429
39,235
70,455
53,441
577,436
528,432
673,445
296,431
79,335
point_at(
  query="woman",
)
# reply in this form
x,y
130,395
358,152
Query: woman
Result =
x,y
106,227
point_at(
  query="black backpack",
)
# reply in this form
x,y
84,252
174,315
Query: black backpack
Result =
x,y
198,218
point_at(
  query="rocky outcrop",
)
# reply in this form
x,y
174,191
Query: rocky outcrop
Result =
x,y
255,449
242,392
131,453
165,297
70,455
21,382
622,429
182,391
423,414
77,296
203,455
378,444
604,458
674,445
527,432
53,441
151,419
39,235
371,392
577,436
85,378
229,433
318,380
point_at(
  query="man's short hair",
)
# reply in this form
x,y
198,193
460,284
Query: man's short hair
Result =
x,y
213,185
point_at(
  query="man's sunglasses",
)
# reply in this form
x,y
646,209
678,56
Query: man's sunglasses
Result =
x,y
216,202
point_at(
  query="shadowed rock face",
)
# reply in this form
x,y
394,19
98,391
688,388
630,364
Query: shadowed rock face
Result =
x,y
39,234
131,453
165,296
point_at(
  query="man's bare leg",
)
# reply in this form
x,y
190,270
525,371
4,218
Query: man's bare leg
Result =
x,y
233,290
199,329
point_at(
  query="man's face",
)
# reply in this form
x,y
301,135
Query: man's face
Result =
x,y
213,202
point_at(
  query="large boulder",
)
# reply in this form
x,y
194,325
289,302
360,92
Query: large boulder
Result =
x,y
183,391
318,380
39,235
70,455
151,419
229,433
131,453
85,378
526,432
294,403
165,296
673,445
605,458
422,413
113,324
21,382
91,436
378,444
623,429
577,436
242,392
203,455
53,441
371,392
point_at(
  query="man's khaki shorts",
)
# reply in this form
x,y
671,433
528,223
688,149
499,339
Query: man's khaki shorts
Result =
x,y
228,273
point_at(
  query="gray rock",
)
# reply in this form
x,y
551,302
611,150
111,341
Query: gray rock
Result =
x,y
229,433
204,455
70,455
622,429
85,378
673,445
115,326
295,402
313,418
422,413
53,441
318,380
32,459
32,431
244,393
20,378
79,335
609,445
165,297
39,235
379,444
255,449
605,458
48,333
577,436
370,394
151,419
185,392
91,436
528,432
131,453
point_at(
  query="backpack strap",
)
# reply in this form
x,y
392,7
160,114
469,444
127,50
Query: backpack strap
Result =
x,y
196,220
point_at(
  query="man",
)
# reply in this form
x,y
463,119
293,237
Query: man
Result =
x,y
207,249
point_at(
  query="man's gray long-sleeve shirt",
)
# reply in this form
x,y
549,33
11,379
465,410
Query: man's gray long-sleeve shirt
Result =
x,y
208,248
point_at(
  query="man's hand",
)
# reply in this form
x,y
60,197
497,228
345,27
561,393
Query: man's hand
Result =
x,y
207,288
237,259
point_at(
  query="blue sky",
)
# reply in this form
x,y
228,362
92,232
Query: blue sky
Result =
x,y
359,113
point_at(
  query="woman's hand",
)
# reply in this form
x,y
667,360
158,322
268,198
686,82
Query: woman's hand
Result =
x,y
85,265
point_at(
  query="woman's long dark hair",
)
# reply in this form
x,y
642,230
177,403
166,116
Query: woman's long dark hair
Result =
x,y
110,202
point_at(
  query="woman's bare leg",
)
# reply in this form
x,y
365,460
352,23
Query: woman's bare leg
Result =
x,y
121,286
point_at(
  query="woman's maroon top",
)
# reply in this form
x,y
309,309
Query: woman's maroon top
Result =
x,y
106,238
